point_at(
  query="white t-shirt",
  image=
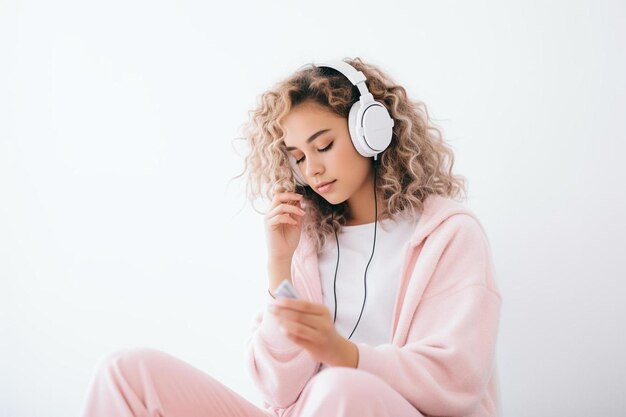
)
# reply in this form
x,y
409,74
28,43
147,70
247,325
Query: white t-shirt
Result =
x,y
383,276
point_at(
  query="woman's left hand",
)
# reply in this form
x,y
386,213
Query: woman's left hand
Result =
x,y
310,326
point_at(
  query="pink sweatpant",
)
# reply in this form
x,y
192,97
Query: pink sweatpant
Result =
x,y
149,382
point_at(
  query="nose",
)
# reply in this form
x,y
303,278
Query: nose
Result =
x,y
313,167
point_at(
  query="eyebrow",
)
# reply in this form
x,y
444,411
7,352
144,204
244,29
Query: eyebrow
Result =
x,y
311,139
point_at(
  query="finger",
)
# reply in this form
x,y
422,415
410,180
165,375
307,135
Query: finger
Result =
x,y
300,331
286,197
304,306
314,321
286,208
281,219
281,214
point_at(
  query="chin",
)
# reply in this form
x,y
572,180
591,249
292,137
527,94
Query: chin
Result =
x,y
334,200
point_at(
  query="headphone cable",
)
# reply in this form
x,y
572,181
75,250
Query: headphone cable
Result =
x,y
368,262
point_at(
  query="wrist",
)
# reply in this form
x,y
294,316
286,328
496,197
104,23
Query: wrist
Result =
x,y
347,354
278,271
278,261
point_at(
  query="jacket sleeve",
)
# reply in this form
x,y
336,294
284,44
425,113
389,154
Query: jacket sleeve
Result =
x,y
446,363
279,367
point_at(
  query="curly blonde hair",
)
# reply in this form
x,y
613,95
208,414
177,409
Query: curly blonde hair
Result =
x,y
417,162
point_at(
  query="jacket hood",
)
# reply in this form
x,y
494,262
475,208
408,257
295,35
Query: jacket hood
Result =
x,y
436,210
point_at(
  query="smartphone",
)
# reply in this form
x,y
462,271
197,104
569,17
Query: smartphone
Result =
x,y
285,289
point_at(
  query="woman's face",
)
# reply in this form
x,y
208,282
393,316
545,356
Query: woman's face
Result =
x,y
320,141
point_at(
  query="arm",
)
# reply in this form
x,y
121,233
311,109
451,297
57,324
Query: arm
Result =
x,y
446,363
278,366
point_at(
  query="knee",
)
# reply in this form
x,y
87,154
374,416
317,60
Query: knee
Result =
x,y
345,384
128,359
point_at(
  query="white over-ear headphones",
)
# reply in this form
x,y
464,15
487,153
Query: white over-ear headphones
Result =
x,y
369,122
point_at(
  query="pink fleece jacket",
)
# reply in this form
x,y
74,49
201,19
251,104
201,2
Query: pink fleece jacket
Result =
x,y
445,323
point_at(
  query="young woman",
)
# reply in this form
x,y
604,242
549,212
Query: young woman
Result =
x,y
398,309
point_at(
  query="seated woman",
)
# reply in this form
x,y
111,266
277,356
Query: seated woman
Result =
x,y
396,320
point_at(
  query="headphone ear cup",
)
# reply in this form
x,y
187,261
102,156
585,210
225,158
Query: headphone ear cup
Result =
x,y
371,129
377,127
353,127
297,175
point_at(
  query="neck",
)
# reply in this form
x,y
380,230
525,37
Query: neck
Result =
x,y
361,209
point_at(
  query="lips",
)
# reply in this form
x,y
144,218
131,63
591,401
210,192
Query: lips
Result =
x,y
324,183
324,186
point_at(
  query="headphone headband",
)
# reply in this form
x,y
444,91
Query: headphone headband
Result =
x,y
356,77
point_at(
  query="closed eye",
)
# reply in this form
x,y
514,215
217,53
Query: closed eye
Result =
x,y
330,145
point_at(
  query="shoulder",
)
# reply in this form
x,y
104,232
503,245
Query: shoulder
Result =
x,y
463,226
445,218
459,250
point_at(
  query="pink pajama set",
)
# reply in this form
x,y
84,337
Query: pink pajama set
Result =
x,y
440,361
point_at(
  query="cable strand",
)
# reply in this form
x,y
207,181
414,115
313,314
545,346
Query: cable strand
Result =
x,y
373,248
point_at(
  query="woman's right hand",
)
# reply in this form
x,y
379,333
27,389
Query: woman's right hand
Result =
x,y
283,224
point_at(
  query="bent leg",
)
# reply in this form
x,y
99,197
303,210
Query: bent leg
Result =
x,y
149,382
343,392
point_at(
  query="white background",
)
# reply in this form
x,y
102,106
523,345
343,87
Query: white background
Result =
x,y
119,227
